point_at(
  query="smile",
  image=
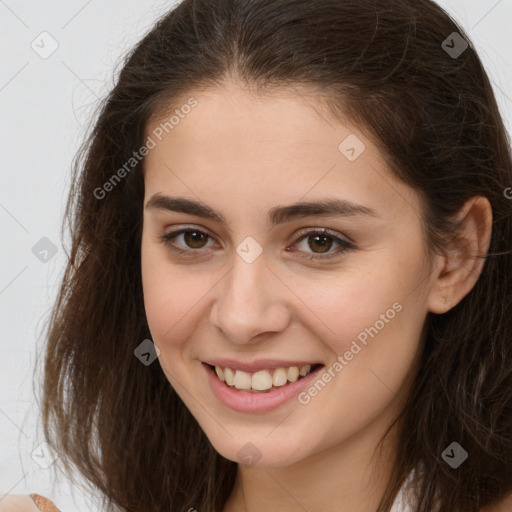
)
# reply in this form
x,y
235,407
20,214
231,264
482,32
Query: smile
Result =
x,y
262,380
261,390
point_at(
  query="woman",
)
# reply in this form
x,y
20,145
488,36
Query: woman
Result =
x,y
290,284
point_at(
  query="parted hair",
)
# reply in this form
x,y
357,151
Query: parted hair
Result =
x,y
383,64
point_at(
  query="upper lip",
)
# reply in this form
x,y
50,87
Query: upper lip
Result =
x,y
258,364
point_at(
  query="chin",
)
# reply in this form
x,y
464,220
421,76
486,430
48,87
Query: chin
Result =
x,y
259,451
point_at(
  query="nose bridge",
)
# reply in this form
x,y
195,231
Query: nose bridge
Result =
x,y
250,301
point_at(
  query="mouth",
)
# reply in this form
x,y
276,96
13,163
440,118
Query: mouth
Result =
x,y
262,381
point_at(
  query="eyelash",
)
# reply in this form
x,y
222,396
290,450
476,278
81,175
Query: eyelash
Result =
x,y
345,245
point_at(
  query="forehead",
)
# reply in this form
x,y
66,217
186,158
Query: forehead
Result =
x,y
276,147
288,119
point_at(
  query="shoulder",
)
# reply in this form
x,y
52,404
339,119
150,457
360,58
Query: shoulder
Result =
x,y
12,503
28,503
502,506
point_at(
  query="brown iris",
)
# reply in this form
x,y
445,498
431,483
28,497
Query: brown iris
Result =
x,y
194,237
323,238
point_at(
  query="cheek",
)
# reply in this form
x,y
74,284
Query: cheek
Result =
x,y
372,327
172,298
342,306
170,294
372,315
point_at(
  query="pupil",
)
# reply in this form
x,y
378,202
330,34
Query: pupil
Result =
x,y
195,238
321,237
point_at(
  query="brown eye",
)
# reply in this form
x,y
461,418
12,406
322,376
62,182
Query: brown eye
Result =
x,y
191,240
195,239
320,242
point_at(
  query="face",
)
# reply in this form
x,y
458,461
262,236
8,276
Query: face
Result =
x,y
256,285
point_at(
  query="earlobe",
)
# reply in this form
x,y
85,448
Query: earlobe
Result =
x,y
464,259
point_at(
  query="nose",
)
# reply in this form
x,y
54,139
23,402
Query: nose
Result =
x,y
250,301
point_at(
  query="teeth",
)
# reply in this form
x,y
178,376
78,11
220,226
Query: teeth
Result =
x,y
242,380
229,375
279,378
305,370
261,380
293,373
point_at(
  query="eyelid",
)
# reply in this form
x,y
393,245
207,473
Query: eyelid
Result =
x,y
180,228
333,234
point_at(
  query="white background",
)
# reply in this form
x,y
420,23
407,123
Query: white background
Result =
x,y
45,108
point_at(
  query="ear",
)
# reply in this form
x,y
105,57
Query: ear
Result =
x,y
462,263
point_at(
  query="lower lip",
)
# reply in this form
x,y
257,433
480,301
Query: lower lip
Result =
x,y
257,402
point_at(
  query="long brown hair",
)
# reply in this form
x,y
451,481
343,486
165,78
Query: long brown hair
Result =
x,y
386,65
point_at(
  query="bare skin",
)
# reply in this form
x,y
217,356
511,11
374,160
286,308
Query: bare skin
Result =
x,y
242,155
17,503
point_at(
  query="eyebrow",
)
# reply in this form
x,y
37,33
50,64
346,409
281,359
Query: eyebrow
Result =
x,y
276,215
